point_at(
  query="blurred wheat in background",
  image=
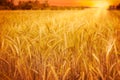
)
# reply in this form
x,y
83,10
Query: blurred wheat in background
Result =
x,y
60,45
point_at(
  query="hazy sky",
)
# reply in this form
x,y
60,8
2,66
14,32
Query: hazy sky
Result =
x,y
75,2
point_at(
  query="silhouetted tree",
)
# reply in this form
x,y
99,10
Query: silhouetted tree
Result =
x,y
6,4
29,5
11,4
44,4
3,2
25,5
36,4
112,7
118,6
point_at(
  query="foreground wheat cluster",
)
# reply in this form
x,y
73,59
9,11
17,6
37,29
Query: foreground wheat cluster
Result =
x,y
60,45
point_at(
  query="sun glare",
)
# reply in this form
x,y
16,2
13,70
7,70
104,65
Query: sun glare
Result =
x,y
102,4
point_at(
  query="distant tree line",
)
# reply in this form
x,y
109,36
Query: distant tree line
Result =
x,y
24,5
32,5
112,7
118,6
6,4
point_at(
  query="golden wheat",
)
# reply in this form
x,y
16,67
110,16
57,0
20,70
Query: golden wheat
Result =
x,y
60,45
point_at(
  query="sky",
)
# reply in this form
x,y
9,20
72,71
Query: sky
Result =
x,y
76,2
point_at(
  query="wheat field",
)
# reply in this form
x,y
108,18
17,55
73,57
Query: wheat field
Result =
x,y
60,45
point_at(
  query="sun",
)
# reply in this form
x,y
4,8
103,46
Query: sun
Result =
x,y
102,4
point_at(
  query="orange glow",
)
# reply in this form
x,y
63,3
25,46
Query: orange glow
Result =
x,y
62,2
90,3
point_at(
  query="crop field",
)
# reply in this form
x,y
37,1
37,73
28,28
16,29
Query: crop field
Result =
x,y
60,45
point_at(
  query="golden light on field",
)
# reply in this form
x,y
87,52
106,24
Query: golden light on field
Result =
x,y
60,44
102,4
75,44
